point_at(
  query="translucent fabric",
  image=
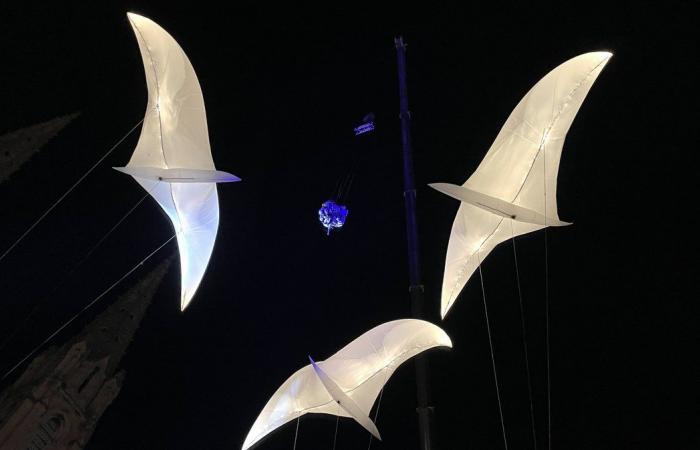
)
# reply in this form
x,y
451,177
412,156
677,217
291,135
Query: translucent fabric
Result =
x,y
174,132
344,401
514,189
360,370
172,159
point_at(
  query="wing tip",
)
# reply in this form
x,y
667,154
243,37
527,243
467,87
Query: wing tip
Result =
x,y
446,305
446,339
230,178
602,57
597,59
137,19
375,432
133,17
185,301
444,188
605,56
439,186
599,54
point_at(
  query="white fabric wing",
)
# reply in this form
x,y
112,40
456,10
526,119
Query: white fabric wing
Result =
x,y
360,369
345,402
174,136
193,208
520,167
174,133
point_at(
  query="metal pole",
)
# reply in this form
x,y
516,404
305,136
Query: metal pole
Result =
x,y
415,288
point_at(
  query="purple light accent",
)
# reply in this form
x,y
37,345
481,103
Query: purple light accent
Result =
x,y
331,215
364,128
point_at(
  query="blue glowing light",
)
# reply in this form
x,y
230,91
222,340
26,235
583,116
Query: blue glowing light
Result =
x,y
331,215
364,128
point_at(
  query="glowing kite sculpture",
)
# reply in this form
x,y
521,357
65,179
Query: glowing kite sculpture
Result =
x,y
172,159
513,191
348,383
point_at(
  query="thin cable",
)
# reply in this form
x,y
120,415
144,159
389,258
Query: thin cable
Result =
x,y
379,403
493,359
546,299
22,324
111,230
522,324
341,188
337,420
348,186
336,190
296,434
344,185
38,347
376,415
547,343
65,194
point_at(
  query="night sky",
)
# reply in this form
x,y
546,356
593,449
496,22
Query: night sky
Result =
x,y
284,88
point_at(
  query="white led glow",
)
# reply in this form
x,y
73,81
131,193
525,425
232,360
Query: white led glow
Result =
x,y
358,372
516,183
172,159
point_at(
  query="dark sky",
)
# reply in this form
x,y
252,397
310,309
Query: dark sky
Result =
x,y
284,88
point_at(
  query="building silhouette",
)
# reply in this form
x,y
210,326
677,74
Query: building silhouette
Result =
x,y
17,147
56,403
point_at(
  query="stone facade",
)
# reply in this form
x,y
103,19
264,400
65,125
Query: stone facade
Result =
x,y
56,403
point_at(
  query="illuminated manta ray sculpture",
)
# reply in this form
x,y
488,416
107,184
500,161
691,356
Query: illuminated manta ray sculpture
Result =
x,y
513,191
348,383
172,159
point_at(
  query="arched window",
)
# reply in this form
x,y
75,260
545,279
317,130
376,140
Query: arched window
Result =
x,y
88,378
55,423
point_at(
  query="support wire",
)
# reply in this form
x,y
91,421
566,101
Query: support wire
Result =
x,y
45,341
23,323
522,324
546,298
65,194
493,358
337,420
296,434
376,415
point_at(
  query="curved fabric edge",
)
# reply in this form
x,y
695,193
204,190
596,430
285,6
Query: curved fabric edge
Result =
x,y
496,205
360,369
464,255
345,402
521,168
193,210
175,132
532,138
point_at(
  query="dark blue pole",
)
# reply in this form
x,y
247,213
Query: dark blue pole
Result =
x,y
415,288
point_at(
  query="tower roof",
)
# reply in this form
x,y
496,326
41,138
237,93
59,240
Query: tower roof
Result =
x,y
111,332
17,147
